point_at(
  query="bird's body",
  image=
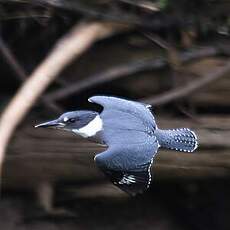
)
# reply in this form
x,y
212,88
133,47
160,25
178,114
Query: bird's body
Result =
x,y
129,130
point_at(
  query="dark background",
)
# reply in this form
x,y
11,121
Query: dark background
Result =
x,y
49,177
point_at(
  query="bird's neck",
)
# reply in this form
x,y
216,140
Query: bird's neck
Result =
x,y
91,129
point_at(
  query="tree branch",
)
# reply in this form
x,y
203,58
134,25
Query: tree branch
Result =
x,y
193,86
126,70
21,73
71,46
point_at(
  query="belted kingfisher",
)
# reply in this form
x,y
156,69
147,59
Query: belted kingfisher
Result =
x,y
129,130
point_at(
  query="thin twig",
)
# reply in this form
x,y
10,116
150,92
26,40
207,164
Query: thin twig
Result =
x,y
146,5
127,70
186,90
157,40
21,73
11,60
106,76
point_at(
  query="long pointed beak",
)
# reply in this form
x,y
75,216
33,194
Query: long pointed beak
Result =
x,y
50,124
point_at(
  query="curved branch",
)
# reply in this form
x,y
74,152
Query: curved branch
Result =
x,y
72,45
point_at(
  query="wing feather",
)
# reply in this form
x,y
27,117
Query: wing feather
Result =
x,y
138,109
128,128
128,168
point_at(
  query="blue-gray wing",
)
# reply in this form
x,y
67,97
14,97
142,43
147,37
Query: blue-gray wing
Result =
x,y
122,128
128,128
139,110
129,166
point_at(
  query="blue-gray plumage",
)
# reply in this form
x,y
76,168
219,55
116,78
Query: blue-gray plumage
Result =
x,y
129,130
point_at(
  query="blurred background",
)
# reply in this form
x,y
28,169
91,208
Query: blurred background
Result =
x,y
173,54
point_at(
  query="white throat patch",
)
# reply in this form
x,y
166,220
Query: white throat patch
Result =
x,y
91,128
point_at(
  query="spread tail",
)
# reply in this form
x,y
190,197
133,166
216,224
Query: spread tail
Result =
x,y
178,139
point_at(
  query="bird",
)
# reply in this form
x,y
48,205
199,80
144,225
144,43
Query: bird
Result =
x,y
129,131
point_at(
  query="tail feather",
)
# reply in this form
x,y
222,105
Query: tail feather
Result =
x,y
178,139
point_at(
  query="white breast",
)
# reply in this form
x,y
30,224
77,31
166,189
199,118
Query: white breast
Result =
x,y
91,128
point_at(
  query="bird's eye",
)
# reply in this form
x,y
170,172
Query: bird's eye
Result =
x,y
71,120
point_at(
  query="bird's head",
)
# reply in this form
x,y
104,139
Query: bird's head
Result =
x,y
83,122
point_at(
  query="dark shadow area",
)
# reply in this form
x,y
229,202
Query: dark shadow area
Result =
x,y
195,205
